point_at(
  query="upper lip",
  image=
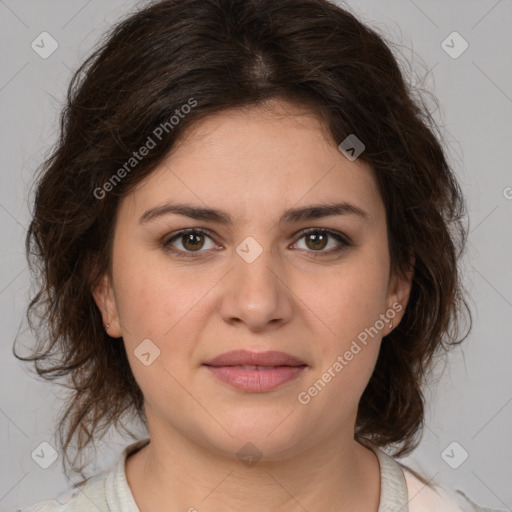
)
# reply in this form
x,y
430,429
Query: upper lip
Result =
x,y
246,357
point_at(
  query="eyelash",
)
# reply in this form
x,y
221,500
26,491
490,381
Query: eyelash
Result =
x,y
342,239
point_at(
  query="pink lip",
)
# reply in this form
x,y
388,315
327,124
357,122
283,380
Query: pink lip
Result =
x,y
282,368
245,357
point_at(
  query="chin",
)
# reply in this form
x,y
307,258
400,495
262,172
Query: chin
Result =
x,y
256,439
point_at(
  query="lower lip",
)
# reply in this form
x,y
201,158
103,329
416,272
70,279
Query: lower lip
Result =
x,y
256,381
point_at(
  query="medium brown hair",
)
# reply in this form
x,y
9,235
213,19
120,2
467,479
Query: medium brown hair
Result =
x,y
228,54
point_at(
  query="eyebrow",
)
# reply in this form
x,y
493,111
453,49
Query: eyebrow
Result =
x,y
293,215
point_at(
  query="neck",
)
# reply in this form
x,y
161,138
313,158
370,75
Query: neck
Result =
x,y
336,476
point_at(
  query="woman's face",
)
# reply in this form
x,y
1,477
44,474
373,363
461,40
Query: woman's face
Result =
x,y
252,280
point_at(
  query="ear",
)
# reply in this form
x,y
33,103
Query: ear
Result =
x,y
399,290
104,297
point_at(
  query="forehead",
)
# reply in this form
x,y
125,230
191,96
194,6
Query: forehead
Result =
x,y
257,160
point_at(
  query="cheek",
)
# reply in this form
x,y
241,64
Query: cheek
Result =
x,y
162,304
154,319
361,301
348,335
349,299
145,292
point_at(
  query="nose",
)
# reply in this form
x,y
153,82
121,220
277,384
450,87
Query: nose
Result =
x,y
256,292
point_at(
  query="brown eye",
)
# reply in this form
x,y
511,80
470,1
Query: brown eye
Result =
x,y
316,241
191,241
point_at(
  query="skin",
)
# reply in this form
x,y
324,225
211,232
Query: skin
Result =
x,y
253,163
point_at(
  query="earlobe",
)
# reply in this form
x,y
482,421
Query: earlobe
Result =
x,y
103,295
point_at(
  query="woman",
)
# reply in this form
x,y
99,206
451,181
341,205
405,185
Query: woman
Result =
x,y
248,235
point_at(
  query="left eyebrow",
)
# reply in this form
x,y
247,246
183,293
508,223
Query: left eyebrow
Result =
x,y
293,215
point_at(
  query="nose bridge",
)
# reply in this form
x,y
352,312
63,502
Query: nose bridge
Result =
x,y
254,266
257,294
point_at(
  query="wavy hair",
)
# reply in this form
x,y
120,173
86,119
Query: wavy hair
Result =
x,y
232,54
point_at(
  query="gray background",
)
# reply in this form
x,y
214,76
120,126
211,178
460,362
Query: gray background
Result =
x,y
472,402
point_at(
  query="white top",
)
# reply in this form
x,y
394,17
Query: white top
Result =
x,y
401,491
